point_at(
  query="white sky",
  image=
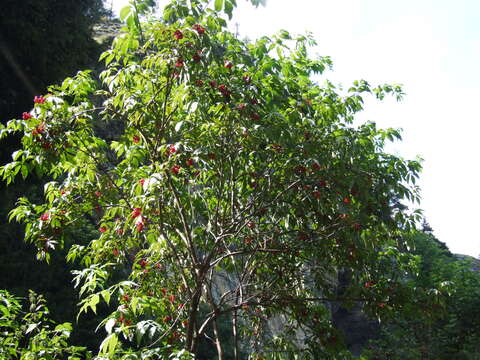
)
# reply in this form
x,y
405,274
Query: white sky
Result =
x,y
432,47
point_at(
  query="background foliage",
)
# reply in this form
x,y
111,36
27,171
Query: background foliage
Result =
x,y
454,329
41,42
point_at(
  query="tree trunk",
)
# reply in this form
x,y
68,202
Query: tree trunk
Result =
x,y
217,339
192,318
236,350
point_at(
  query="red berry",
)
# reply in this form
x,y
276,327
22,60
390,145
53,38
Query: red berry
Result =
x,y
179,63
26,116
199,28
178,35
223,89
45,216
39,100
300,170
143,263
136,139
46,145
197,58
136,212
139,224
175,169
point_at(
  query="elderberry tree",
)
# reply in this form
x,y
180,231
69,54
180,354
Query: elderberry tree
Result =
x,y
226,186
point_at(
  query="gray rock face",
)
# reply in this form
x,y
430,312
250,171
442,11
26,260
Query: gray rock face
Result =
x,y
105,31
475,263
357,328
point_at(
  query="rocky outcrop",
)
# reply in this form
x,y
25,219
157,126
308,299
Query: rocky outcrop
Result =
x,y
105,31
475,263
356,327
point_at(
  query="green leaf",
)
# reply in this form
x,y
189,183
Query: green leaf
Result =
x,y
132,25
94,300
218,5
229,9
106,296
284,34
31,327
125,12
109,344
17,154
178,126
134,304
109,325
259,2
24,171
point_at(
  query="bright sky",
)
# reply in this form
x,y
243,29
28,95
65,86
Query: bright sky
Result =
x,y
432,47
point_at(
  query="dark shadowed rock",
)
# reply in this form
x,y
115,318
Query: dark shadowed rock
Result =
x,y
356,327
